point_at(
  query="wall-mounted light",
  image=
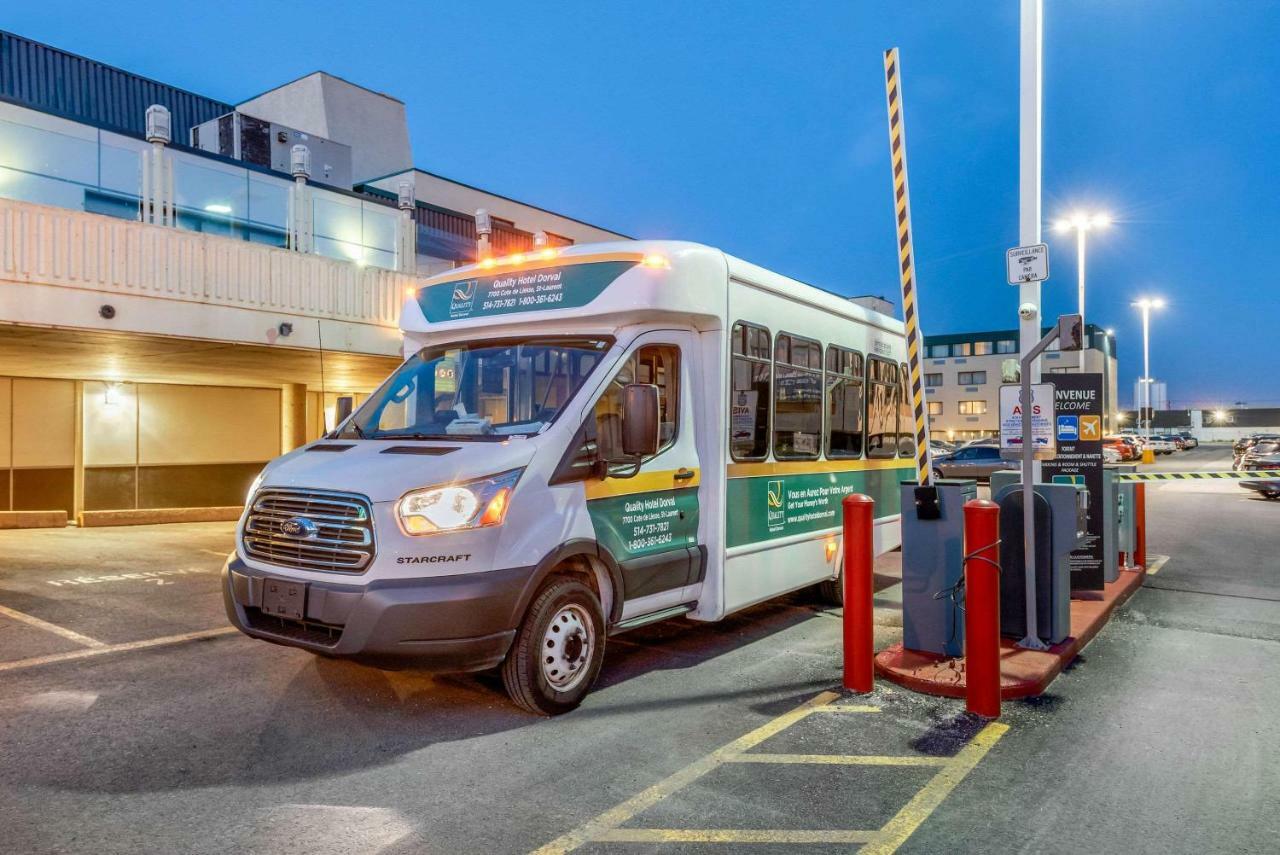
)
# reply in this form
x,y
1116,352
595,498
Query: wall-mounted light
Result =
x,y
111,396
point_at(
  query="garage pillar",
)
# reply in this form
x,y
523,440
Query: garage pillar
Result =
x,y
293,416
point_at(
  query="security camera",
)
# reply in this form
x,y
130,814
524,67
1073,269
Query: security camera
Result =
x,y
1028,311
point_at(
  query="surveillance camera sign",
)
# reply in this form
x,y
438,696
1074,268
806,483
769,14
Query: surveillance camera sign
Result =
x,y
1028,263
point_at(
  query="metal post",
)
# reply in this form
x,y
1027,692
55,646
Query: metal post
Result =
x,y
859,559
982,607
1032,639
1080,231
1029,135
1146,370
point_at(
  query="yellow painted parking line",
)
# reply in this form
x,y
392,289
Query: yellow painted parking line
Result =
x,y
845,708
730,835
896,831
608,826
104,649
1156,562
70,635
843,759
616,816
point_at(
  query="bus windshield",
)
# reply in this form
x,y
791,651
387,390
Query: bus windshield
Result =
x,y
478,390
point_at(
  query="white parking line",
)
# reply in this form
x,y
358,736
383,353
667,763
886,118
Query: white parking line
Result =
x,y
116,648
70,635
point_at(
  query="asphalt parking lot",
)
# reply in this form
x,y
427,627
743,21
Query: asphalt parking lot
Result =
x,y
132,720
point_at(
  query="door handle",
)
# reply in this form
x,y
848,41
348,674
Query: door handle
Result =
x,y
683,474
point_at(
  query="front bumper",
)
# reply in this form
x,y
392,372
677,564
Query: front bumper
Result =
x,y
440,623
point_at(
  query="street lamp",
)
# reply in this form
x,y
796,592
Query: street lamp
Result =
x,y
1146,304
1081,222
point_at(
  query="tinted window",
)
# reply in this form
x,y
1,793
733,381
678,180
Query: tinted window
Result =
x,y
882,408
751,371
844,403
797,398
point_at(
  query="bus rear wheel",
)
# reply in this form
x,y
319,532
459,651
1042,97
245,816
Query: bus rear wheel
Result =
x,y
558,650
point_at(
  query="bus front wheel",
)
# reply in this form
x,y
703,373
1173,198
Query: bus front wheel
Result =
x,y
558,650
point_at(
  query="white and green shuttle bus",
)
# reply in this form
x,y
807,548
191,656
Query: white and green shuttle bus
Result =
x,y
579,442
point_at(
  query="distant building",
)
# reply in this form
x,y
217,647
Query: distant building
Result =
x,y
963,373
175,309
1159,395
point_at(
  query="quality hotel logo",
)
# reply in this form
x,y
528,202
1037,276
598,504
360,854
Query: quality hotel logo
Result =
x,y
464,295
775,513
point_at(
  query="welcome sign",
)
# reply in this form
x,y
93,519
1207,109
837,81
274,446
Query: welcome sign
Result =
x,y
569,286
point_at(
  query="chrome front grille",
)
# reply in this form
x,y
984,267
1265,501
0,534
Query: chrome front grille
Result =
x,y
310,530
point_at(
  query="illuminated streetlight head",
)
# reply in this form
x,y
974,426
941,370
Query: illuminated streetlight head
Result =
x,y
1149,303
1111,331
1082,221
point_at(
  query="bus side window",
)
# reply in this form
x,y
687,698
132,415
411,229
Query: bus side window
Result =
x,y
882,408
750,371
906,415
656,364
797,398
844,403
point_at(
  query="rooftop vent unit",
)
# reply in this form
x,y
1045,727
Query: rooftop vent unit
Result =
x,y
258,141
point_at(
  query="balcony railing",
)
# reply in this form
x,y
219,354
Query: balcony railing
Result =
x,y
53,161
43,245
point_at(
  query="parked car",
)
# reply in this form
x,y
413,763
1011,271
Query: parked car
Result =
x,y
972,461
1161,445
1243,444
1111,454
1269,488
1124,447
1264,454
1189,438
984,441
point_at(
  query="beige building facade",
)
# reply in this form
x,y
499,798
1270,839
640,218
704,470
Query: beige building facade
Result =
x,y
963,373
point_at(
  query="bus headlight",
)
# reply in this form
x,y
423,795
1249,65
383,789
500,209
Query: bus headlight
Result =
x,y
455,507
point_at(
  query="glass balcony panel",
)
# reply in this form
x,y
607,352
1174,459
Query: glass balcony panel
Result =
x,y
120,164
47,152
269,203
380,226
41,189
337,218
211,191
342,250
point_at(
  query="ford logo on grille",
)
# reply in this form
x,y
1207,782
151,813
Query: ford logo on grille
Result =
x,y
300,528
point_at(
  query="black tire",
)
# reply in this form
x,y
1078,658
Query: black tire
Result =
x,y
523,672
831,591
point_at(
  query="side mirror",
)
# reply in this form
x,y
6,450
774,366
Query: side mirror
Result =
x,y
342,409
640,420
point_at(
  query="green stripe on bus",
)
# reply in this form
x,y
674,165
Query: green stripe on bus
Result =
x,y
767,507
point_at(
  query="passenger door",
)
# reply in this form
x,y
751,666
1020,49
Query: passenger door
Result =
x,y
646,515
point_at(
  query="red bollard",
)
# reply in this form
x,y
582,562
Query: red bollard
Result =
x,y
982,607
859,558
1140,526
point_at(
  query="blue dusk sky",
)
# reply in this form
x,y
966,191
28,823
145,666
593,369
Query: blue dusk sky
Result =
x,y
760,127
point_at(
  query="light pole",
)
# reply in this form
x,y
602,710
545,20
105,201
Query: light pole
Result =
x,y
1146,304
1081,222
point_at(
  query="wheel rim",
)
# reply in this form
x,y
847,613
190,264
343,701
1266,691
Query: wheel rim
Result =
x,y
567,647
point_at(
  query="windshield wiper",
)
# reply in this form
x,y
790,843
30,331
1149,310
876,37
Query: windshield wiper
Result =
x,y
440,437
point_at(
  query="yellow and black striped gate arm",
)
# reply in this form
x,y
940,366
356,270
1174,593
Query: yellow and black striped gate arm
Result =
x,y
907,259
